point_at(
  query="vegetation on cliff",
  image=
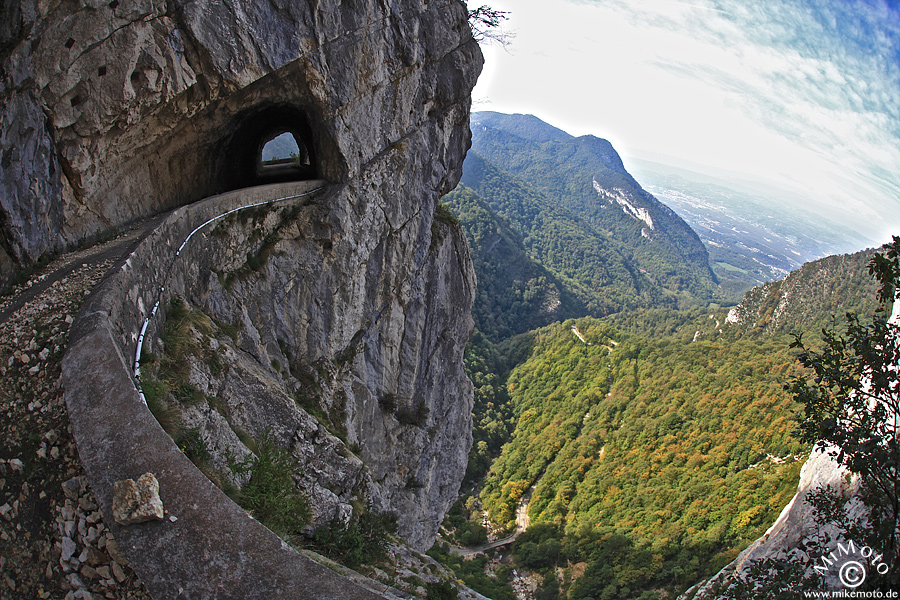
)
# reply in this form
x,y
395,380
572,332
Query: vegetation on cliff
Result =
x,y
809,298
515,293
584,218
851,402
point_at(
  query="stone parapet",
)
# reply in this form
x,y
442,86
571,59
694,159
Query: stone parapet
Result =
x,y
207,546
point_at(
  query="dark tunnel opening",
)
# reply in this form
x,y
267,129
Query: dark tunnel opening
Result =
x,y
268,144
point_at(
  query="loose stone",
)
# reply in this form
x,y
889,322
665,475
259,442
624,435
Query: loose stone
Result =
x,y
137,502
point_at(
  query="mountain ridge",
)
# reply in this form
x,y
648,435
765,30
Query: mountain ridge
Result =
x,y
521,125
580,184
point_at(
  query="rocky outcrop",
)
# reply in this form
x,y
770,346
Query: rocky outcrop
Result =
x,y
110,111
369,331
352,302
137,501
806,299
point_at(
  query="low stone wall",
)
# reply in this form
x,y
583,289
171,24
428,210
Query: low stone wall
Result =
x,y
207,546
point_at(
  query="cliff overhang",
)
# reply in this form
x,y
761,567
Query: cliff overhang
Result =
x,y
112,112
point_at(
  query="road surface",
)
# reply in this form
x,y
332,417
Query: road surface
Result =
x,y
521,526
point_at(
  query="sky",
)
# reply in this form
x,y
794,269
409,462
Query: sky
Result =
x,y
803,95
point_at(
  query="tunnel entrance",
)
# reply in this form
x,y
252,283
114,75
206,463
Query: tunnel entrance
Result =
x,y
268,144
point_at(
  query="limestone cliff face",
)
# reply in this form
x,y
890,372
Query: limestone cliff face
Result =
x,y
366,332
112,111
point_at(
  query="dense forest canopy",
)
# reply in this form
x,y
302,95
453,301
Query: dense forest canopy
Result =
x,y
672,445
645,426
515,293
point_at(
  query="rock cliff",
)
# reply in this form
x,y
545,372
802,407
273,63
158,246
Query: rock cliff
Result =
x,y
113,111
110,111
366,333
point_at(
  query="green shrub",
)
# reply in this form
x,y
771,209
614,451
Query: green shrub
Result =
x,y
388,403
187,394
193,447
440,590
155,391
363,541
181,341
417,416
443,214
168,416
271,495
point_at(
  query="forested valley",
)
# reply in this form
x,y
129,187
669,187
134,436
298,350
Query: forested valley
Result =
x,y
642,420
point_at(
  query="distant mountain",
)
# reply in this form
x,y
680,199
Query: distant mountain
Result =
x,y
754,234
589,266
280,147
807,298
584,218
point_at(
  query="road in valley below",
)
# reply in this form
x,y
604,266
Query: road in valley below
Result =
x,y
521,526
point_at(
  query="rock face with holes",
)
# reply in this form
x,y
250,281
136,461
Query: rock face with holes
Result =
x,y
112,111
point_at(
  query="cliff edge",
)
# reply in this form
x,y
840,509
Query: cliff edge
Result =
x,y
353,302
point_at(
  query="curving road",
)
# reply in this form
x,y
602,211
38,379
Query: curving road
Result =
x,y
521,525
113,250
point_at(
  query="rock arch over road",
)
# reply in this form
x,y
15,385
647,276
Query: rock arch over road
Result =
x,y
237,163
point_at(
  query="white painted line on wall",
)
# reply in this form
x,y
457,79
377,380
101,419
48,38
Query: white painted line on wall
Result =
x,y
162,288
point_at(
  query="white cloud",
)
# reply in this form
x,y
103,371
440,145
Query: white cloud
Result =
x,y
798,93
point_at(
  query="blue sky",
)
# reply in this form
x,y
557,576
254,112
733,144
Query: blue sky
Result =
x,y
803,95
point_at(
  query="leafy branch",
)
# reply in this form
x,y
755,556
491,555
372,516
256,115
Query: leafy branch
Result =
x,y
851,404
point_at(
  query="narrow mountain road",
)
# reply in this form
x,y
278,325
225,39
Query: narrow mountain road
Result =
x,y
579,336
112,251
521,526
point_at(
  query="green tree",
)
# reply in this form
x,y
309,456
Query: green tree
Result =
x,y
270,494
852,401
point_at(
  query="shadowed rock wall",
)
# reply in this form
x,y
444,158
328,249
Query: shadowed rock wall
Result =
x,y
110,111
113,111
